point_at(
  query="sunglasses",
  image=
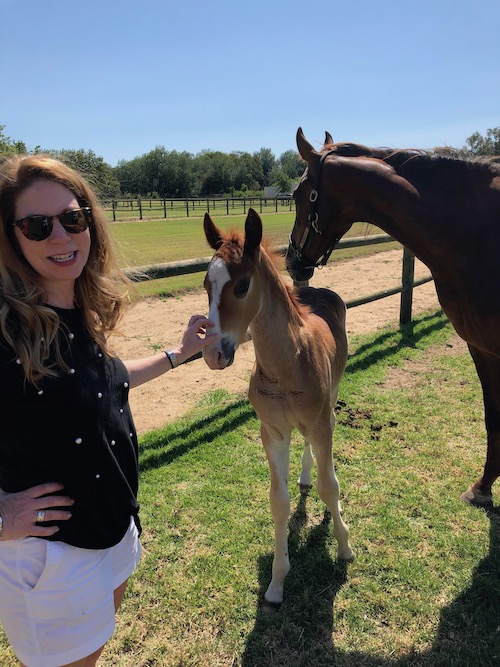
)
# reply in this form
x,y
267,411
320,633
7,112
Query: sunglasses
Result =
x,y
39,227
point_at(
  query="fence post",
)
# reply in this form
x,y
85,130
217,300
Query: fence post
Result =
x,y
113,204
140,209
187,207
227,206
407,287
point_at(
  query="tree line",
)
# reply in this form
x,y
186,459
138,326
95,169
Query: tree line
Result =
x,y
173,174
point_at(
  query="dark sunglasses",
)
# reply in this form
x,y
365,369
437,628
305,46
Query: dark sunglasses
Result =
x,y
39,227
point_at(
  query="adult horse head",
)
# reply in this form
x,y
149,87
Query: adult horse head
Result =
x,y
446,211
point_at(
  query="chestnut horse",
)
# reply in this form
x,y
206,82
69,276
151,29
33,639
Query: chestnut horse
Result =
x,y
447,212
300,355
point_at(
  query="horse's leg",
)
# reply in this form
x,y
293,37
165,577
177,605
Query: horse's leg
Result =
x,y
328,486
277,448
305,480
488,369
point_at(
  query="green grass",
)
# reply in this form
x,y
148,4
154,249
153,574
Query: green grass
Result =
x,y
146,242
424,588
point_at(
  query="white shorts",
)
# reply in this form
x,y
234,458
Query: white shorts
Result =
x,y
56,601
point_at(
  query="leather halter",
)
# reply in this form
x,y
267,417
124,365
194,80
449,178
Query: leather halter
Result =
x,y
312,229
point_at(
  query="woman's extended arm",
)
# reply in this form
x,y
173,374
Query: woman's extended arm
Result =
x,y
148,368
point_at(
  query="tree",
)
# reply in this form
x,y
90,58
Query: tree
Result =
x,y
291,163
99,173
267,162
10,147
488,145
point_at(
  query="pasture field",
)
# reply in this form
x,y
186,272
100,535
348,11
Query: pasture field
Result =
x,y
145,242
424,587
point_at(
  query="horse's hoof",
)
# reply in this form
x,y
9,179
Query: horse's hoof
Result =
x,y
269,607
473,497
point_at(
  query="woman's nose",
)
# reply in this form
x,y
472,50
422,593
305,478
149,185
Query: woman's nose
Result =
x,y
58,232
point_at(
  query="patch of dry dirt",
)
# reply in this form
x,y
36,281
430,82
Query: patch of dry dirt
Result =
x,y
159,324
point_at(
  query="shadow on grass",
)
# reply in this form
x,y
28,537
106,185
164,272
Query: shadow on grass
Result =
x,y
303,633
300,632
380,348
160,448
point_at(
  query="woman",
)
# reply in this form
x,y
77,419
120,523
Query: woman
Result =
x,y
69,526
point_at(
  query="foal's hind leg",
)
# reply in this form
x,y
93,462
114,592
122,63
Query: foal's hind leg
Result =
x,y
305,479
277,448
328,486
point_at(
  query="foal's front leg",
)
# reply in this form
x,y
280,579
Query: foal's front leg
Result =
x,y
277,448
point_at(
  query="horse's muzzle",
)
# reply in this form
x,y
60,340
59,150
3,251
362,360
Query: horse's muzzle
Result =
x,y
299,270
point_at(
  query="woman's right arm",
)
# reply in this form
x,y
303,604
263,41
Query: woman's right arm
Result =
x,y
19,511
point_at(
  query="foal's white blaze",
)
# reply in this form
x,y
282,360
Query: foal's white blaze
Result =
x,y
218,276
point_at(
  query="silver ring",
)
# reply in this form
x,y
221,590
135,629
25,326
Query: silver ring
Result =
x,y
40,516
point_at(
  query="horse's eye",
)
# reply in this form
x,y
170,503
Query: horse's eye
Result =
x,y
242,288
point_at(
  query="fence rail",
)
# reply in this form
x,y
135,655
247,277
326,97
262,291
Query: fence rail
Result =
x,y
140,209
167,270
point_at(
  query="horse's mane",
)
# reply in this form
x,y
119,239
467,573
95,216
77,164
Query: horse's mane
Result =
x,y
400,157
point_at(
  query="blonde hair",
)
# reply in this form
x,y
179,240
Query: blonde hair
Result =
x,y
101,291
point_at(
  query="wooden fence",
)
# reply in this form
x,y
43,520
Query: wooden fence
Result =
x,y
170,269
140,209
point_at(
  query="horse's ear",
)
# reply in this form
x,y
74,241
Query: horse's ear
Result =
x,y
328,139
253,231
306,151
212,233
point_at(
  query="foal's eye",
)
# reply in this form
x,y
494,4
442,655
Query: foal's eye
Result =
x,y
242,288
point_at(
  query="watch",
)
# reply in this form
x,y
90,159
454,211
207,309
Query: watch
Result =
x,y
172,358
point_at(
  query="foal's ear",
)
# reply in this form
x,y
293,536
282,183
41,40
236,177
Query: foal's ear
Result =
x,y
253,231
212,233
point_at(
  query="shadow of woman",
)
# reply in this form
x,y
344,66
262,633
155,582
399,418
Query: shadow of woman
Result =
x,y
302,633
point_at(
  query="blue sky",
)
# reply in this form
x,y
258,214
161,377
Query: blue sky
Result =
x,y
120,78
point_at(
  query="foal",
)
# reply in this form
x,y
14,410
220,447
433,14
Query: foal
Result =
x,y
300,355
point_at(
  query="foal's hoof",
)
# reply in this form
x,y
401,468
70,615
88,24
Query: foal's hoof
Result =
x,y
305,488
268,607
346,554
473,497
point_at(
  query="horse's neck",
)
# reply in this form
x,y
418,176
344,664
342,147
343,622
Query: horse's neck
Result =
x,y
421,205
276,328
381,197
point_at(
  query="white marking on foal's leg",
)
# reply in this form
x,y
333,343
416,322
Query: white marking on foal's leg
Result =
x,y
278,455
305,480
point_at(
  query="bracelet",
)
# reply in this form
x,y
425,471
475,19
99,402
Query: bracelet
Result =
x,y
1,525
172,358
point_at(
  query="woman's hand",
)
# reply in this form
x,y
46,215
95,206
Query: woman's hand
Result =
x,y
24,513
195,337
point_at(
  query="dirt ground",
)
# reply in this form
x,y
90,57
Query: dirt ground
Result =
x,y
152,325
